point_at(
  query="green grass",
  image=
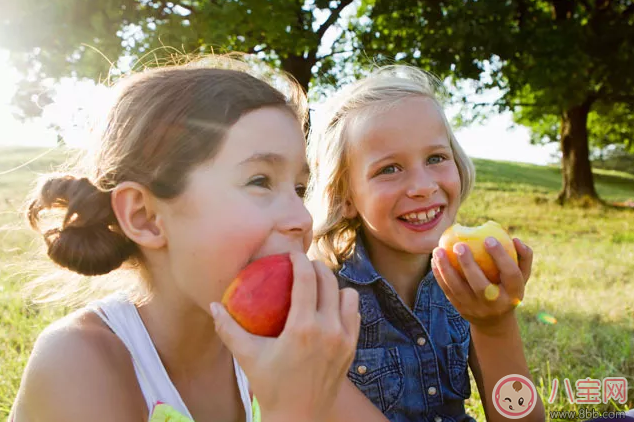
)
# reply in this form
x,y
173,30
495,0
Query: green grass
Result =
x,y
583,274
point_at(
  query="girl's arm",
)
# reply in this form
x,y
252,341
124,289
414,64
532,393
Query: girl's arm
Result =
x,y
352,405
497,352
496,344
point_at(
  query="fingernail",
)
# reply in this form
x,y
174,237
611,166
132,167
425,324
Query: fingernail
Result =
x,y
438,253
491,242
215,309
459,249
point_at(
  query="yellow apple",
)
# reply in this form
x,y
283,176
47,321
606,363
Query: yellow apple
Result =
x,y
474,238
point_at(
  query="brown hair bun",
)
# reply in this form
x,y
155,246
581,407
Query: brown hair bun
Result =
x,y
89,240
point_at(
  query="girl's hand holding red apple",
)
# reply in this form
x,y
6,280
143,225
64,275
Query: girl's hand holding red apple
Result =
x,y
480,300
296,375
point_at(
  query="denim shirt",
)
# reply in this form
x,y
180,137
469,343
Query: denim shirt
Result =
x,y
412,364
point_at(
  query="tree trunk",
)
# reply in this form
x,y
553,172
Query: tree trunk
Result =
x,y
578,181
301,69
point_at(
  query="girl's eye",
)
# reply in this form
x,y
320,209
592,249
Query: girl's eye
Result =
x,y
391,169
435,159
521,401
301,190
261,181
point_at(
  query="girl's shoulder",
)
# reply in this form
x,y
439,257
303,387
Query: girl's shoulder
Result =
x,y
83,334
79,369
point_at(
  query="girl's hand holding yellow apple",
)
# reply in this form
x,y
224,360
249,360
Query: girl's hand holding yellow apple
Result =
x,y
482,271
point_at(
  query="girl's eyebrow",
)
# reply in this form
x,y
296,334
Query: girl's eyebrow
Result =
x,y
432,147
383,158
273,159
439,146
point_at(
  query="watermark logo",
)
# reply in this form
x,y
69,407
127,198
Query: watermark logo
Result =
x,y
514,396
592,391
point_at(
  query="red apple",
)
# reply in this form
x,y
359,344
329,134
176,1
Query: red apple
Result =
x,y
260,296
474,238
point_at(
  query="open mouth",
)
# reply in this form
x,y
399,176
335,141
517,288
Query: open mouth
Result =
x,y
422,217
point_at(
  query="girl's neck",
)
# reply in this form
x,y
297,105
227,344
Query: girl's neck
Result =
x,y
403,271
183,335
197,363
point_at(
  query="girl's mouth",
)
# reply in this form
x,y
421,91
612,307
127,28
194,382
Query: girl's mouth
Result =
x,y
423,220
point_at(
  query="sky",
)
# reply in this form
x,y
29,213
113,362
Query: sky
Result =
x,y
78,104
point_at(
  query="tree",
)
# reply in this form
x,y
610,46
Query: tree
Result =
x,y
81,38
609,129
550,58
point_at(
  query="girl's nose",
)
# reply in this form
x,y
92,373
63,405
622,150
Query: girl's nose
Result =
x,y
296,219
421,184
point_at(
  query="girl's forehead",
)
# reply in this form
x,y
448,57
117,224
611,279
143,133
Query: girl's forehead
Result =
x,y
383,121
266,130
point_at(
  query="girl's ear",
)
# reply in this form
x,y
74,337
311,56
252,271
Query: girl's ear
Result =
x,y
134,206
349,210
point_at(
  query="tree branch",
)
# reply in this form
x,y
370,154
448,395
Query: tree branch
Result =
x,y
334,15
607,95
619,98
628,11
334,53
510,106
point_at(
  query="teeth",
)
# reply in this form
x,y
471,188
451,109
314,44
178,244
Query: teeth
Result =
x,y
421,217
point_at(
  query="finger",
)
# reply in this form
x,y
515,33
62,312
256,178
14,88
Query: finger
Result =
x,y
525,258
505,263
304,293
510,275
327,292
443,286
240,342
473,274
439,278
349,310
454,282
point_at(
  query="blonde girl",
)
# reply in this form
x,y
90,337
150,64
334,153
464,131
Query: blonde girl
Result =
x,y
389,178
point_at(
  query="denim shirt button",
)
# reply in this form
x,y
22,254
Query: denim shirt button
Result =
x,y
421,342
437,419
431,391
362,369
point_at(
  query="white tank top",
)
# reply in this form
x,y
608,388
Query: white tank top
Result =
x,y
123,319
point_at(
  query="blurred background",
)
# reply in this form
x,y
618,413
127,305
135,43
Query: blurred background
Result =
x,y
541,95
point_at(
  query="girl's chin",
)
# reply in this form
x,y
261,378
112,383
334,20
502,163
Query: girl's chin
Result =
x,y
421,249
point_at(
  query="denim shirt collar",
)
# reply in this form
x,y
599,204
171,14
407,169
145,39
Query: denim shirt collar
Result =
x,y
358,268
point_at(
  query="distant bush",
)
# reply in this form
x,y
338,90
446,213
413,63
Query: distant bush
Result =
x,y
615,158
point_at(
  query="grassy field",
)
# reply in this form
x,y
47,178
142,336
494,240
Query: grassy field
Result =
x,y
583,274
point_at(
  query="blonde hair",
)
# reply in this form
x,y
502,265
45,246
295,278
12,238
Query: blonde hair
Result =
x,y
164,123
334,235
